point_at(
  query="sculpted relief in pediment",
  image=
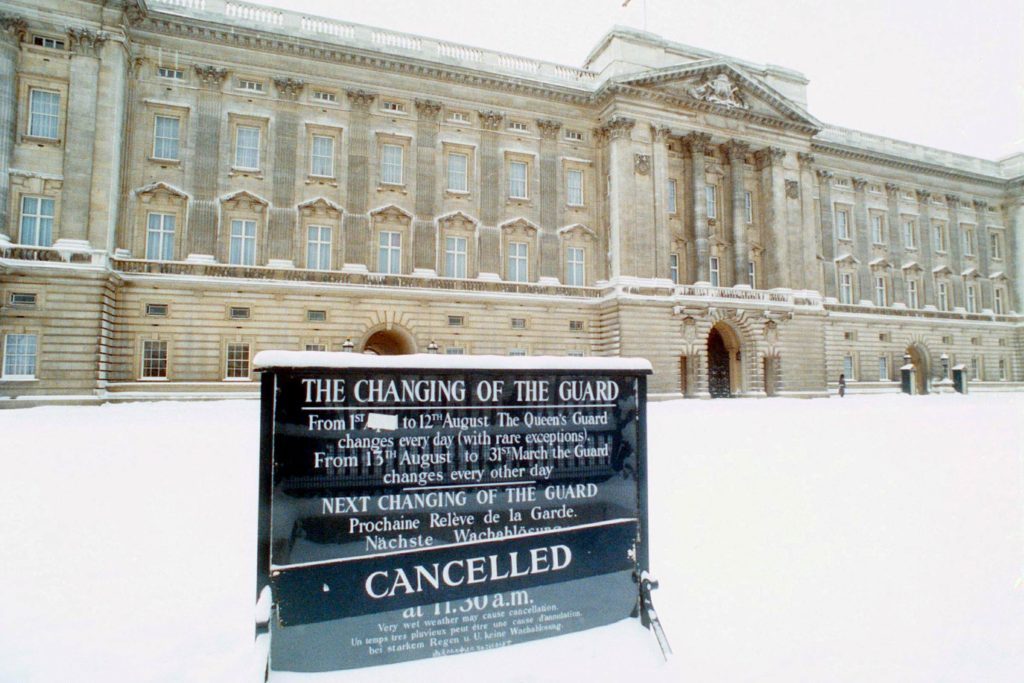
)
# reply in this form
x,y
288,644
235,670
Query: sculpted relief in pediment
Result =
x,y
718,89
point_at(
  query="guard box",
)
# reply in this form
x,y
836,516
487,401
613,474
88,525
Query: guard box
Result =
x,y
420,506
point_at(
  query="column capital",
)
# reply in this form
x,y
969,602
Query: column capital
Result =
x,y
923,195
735,151
893,189
12,28
491,120
360,100
696,142
805,158
427,109
660,133
824,174
769,156
289,88
858,184
953,200
210,76
980,205
548,128
618,127
83,41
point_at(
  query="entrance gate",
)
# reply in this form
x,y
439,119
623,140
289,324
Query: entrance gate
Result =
x,y
718,366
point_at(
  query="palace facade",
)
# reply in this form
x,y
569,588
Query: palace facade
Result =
x,y
184,183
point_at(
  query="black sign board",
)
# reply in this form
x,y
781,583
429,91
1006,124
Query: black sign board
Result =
x,y
418,506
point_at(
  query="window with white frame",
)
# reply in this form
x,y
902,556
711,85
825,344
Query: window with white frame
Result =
x,y
910,234
518,262
458,117
392,106
250,85
715,279
458,172
237,361
883,368
391,164
242,249
573,135
321,156
166,135
877,229
19,356
748,206
1002,370
517,177
575,267
673,268
574,187
43,113
520,126
454,351
752,273
247,147
711,200
324,96
36,221
975,368
389,252
971,298
46,41
455,250
169,73
996,244
846,288
968,235
517,352
319,348
154,359
160,236
939,237
843,224
318,247
912,300
999,298
880,292
848,366
673,208
942,295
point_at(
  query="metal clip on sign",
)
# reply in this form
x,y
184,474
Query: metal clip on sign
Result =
x,y
649,617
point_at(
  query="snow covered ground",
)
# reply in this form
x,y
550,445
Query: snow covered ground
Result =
x,y
863,539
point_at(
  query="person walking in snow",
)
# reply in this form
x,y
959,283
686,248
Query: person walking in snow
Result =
x,y
842,385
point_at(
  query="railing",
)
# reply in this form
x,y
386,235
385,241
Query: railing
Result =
x,y
920,313
743,294
44,254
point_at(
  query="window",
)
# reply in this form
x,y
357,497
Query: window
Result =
x,y
392,106
46,41
239,313
36,221
318,247
237,361
848,366
909,234
939,237
324,96
975,368
518,264
519,126
884,337
456,320
849,336
883,368
322,156
173,74
574,187
947,339
458,117
748,206
154,359
389,252
391,164
156,310
971,298
1002,369
250,85
517,352
160,236
19,356
575,273
975,341
673,268
316,347
517,180
43,113
943,296
247,147
458,172
999,296
316,316
877,229
518,323
22,300
242,250
968,241
575,325
711,200
714,271
912,294
996,242
843,224
845,288
573,135
752,273
166,131
455,256
880,296
454,351
673,208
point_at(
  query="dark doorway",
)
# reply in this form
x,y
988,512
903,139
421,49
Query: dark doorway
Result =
x,y
718,366
388,343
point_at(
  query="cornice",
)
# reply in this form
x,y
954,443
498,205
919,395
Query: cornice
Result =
x,y
892,161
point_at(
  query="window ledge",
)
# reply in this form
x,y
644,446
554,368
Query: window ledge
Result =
x,y
392,187
237,379
519,201
576,207
247,172
36,140
164,162
153,379
19,378
461,194
322,180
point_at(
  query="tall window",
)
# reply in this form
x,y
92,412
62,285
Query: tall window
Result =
x,y
575,270
843,224
748,206
968,241
883,368
166,132
975,368
711,200
877,230
1002,370
160,236
971,298
458,172
574,187
19,356
154,359
715,279
943,296
247,147
518,262
1000,306
455,256
391,164
673,268
752,273
909,234
996,242
912,301
242,250
322,156
318,247
389,252
671,198
237,366
848,366
43,113
939,237
845,288
36,221
880,297
517,180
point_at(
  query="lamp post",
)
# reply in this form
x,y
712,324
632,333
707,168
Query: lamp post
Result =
x,y
432,347
348,346
944,359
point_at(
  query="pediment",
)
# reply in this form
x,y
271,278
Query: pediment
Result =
x,y
147,192
880,262
320,206
391,213
911,265
577,230
847,260
457,220
720,86
245,201
520,226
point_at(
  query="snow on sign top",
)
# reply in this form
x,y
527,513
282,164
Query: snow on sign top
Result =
x,y
429,361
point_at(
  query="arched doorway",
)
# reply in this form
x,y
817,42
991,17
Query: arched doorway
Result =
x,y
723,362
393,342
919,359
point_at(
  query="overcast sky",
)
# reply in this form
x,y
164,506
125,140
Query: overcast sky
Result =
x,y
948,74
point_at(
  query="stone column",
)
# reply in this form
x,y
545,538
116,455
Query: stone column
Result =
x,y
620,197
984,266
1014,218
12,31
80,140
203,213
773,182
491,194
423,227
283,215
956,239
700,264
736,152
662,239
111,130
924,226
549,264
862,238
357,220
828,233
896,246
810,236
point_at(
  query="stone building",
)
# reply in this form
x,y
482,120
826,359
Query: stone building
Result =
x,y
184,183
